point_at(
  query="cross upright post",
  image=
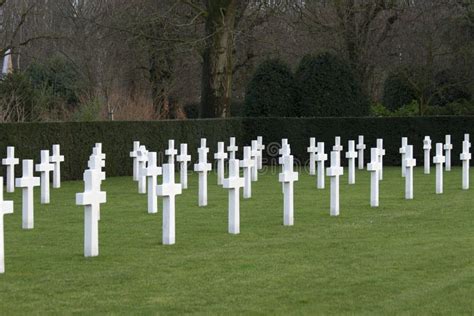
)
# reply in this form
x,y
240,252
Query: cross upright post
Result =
x,y
56,158
183,160
10,162
44,168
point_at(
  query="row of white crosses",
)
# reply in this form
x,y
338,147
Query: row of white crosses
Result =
x,y
27,182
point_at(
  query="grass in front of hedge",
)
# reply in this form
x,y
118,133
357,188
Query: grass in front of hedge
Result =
x,y
404,257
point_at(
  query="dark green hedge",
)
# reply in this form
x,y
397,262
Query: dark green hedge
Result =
x,y
77,139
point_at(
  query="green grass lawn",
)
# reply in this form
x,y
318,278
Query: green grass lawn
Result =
x,y
404,257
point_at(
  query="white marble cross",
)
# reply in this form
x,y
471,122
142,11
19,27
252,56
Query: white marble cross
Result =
x,y
465,157
284,151
203,167
220,156
151,172
427,152
261,148
448,147
6,207
403,151
361,148
287,177
142,158
334,172
254,153
134,155
321,157
351,155
27,182
10,162
439,160
410,164
312,150
171,152
44,168
337,145
467,139
168,190
374,168
247,163
381,152
56,158
97,150
95,163
232,148
183,158
234,182
91,199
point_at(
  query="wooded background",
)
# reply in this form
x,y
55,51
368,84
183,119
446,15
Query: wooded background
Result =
x,y
162,59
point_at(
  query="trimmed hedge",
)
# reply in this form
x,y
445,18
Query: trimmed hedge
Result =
x,y
77,139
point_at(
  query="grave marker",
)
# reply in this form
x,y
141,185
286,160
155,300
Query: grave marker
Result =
x,y
44,168
56,158
448,147
91,199
254,153
183,160
261,148
10,162
232,148
410,163
247,163
142,158
465,158
171,152
168,190
374,168
351,155
134,155
381,152
337,145
287,177
312,150
361,148
321,157
234,183
151,172
220,157
334,172
27,182
403,151
6,207
203,167
427,154
439,160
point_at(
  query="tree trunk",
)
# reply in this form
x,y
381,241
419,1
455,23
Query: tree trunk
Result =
x,y
216,83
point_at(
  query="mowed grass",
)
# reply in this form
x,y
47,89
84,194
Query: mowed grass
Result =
x,y
403,257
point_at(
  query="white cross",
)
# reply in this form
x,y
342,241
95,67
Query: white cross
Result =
x,y
381,151
171,152
234,182
439,160
56,158
337,144
91,199
168,190
44,168
351,155
151,173
410,163
95,163
6,207
247,163
27,182
220,157
285,150
321,157
334,172
312,150
183,158
97,150
255,153
403,151
287,177
202,167
134,155
465,157
361,148
232,148
261,148
10,162
142,158
448,147
427,155
374,168
467,139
